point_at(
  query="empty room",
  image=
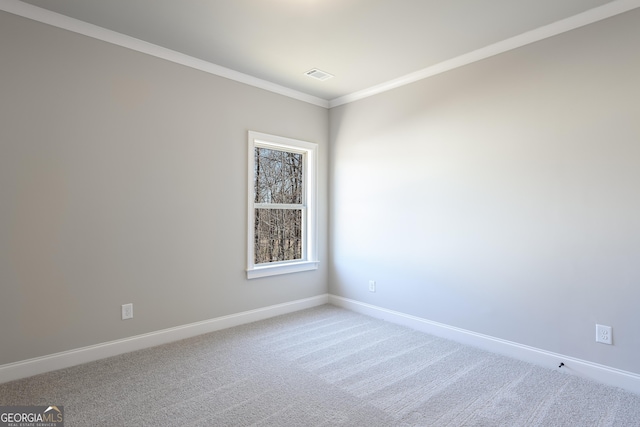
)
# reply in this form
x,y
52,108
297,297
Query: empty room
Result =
x,y
320,212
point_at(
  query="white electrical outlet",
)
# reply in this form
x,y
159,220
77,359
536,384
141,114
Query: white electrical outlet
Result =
x,y
603,334
127,311
372,285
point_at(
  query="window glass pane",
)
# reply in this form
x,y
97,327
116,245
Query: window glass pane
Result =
x,y
278,176
277,235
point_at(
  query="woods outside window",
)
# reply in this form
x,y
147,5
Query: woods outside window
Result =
x,y
282,211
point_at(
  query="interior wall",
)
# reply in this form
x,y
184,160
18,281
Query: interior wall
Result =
x,y
123,180
501,197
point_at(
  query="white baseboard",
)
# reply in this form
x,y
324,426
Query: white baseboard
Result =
x,y
601,373
52,362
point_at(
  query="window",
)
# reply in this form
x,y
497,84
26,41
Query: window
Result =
x,y
282,206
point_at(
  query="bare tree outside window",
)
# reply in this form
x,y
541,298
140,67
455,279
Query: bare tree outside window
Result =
x,y
279,204
282,205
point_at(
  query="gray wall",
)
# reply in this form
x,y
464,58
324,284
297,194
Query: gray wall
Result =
x,y
123,179
501,197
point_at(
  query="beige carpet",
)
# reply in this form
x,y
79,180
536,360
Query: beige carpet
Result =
x,y
321,367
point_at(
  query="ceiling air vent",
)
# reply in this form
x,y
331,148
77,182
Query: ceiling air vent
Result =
x,y
318,74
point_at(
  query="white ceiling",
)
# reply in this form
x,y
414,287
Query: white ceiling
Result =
x,y
364,43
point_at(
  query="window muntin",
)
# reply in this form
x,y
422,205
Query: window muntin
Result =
x,y
282,217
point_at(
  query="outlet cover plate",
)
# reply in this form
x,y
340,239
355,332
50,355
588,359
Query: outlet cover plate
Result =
x,y
603,334
127,311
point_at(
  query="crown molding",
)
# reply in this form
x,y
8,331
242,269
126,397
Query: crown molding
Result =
x,y
590,16
596,14
35,13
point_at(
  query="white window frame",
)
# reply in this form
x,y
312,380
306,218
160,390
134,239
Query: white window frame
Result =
x,y
309,259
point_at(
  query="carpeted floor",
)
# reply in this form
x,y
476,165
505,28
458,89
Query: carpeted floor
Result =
x,y
321,367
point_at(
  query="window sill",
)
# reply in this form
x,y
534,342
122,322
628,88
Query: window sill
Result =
x,y
276,269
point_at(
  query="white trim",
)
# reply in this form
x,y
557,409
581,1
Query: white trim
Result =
x,y
604,374
65,359
309,259
75,25
585,18
285,268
